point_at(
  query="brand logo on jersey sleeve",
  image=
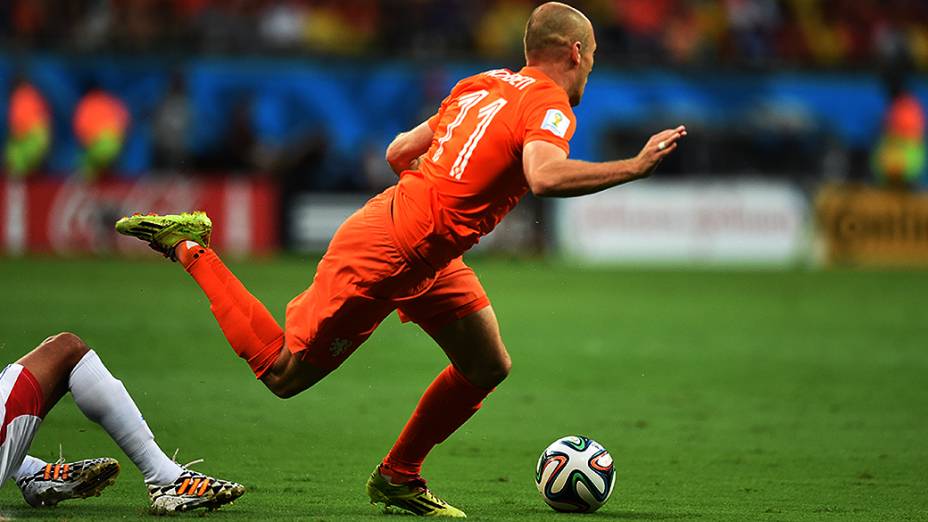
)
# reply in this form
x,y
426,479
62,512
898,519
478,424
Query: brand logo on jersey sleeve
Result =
x,y
556,122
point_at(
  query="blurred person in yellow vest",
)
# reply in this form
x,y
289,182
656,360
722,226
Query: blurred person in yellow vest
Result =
x,y
100,123
29,130
899,158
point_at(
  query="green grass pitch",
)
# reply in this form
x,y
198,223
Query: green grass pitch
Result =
x,y
745,395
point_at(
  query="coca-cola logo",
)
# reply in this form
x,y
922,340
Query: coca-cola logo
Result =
x,y
82,215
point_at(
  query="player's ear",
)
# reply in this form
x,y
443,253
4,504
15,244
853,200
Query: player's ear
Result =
x,y
575,53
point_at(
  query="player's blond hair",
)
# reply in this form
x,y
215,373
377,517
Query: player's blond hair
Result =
x,y
552,28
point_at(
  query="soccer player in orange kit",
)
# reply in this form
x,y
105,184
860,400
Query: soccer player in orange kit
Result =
x,y
496,136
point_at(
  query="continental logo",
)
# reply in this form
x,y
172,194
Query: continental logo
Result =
x,y
873,227
892,226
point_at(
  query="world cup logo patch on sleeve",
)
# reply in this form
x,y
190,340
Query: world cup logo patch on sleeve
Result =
x,y
556,122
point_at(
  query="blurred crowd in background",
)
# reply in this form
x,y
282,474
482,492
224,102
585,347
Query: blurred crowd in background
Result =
x,y
311,91
753,33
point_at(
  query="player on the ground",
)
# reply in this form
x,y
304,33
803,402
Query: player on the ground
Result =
x,y
496,136
30,388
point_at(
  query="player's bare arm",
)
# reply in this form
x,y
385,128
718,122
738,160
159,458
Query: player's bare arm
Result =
x,y
404,151
550,174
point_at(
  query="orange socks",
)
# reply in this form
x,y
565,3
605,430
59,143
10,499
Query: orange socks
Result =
x,y
256,337
249,327
447,404
187,252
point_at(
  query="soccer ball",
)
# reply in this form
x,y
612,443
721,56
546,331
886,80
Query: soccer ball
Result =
x,y
575,474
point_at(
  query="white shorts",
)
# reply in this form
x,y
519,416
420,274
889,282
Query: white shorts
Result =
x,y
21,410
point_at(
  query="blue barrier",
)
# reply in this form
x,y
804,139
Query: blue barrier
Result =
x,y
360,106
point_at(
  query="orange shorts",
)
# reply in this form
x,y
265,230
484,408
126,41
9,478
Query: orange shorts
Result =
x,y
362,278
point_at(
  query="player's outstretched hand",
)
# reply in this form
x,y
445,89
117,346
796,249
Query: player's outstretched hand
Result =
x,y
658,147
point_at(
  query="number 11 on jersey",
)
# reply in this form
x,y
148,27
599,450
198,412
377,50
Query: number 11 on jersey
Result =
x,y
484,116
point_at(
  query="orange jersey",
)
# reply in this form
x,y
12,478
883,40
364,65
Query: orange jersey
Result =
x,y
28,110
99,112
472,176
906,118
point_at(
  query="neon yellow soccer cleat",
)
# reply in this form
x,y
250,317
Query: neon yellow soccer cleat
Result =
x,y
163,233
413,497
